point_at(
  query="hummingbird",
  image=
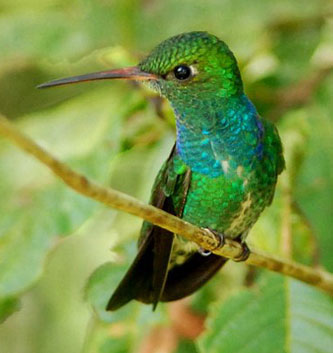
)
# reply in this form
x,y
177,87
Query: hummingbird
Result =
x,y
221,172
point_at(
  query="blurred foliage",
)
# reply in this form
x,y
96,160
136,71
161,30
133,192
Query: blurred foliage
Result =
x,y
299,319
52,240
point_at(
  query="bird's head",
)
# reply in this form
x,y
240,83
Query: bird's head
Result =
x,y
184,67
195,64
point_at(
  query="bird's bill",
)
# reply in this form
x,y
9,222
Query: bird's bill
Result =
x,y
127,73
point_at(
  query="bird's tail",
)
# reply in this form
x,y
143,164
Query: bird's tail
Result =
x,y
145,279
185,279
149,281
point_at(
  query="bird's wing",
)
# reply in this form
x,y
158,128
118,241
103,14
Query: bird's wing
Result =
x,y
145,279
274,162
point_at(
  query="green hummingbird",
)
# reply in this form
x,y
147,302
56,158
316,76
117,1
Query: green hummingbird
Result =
x,y
220,174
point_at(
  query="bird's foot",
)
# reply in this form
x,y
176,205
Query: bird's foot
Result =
x,y
204,252
220,244
244,255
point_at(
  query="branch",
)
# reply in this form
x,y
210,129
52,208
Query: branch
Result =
x,y
126,203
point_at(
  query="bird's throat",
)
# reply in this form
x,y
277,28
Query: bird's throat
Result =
x,y
217,137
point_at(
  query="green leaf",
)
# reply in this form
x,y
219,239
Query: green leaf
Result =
x,y
125,325
99,288
281,316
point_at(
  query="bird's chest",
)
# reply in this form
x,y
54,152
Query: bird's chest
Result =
x,y
228,188
223,204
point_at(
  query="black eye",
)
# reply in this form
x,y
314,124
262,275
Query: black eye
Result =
x,y
182,72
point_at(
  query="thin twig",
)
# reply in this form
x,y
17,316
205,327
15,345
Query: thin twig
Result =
x,y
126,203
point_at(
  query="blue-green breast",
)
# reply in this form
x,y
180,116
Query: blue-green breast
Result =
x,y
232,201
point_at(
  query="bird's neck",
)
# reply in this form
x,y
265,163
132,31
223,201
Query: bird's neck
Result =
x,y
215,136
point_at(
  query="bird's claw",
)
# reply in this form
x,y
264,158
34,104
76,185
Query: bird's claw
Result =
x,y
244,255
221,242
204,252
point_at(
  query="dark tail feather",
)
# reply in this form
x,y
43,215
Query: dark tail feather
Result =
x,y
137,279
185,279
162,251
145,279
182,280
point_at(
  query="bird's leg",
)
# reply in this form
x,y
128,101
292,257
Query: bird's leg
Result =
x,y
244,255
219,236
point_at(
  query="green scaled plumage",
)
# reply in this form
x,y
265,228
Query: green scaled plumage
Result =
x,y
220,175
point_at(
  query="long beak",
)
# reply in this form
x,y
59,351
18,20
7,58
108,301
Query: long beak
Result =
x,y
128,73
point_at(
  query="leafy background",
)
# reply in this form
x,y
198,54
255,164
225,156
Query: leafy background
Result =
x,y
61,255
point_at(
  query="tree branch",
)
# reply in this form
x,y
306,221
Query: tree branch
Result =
x,y
126,203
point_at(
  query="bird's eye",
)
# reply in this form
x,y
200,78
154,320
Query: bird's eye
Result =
x,y
182,72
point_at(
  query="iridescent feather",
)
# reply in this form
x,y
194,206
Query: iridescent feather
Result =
x,y
220,175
